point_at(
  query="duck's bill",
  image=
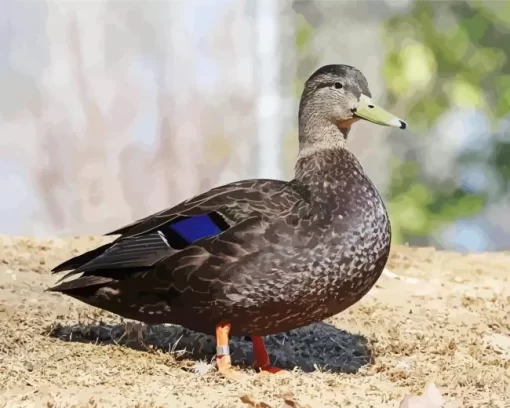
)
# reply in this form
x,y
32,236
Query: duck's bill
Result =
x,y
369,111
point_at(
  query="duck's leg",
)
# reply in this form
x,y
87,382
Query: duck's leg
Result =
x,y
223,359
260,357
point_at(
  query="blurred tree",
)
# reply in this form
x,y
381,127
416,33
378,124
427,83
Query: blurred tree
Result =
x,y
444,57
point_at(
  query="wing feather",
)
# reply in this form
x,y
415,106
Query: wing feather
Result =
x,y
243,198
247,208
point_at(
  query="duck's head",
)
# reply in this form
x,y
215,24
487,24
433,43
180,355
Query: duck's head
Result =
x,y
335,97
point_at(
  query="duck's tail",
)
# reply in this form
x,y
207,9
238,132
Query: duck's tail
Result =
x,y
80,284
80,260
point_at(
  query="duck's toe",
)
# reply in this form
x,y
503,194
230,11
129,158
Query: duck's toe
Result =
x,y
266,370
233,374
226,370
261,358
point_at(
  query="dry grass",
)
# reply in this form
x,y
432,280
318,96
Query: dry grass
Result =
x,y
446,321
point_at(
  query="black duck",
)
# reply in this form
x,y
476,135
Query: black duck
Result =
x,y
261,256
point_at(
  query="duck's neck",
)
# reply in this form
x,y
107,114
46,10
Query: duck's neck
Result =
x,y
330,164
317,133
329,176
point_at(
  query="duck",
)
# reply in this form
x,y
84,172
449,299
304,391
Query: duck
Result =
x,y
256,257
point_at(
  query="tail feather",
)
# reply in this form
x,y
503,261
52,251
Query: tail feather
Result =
x,y
120,231
81,283
81,260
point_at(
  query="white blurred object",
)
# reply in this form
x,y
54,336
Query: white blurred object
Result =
x,y
500,343
202,367
431,398
269,100
392,275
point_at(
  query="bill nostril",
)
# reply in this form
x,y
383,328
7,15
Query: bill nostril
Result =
x,y
353,110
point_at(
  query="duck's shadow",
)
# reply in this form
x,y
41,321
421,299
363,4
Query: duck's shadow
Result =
x,y
318,346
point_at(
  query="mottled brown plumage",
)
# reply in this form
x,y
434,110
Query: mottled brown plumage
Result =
x,y
279,255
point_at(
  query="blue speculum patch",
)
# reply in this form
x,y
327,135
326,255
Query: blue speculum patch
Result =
x,y
194,228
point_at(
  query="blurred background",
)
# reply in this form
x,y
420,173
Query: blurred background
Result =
x,y
112,110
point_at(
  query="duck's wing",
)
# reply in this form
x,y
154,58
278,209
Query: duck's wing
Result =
x,y
218,226
233,202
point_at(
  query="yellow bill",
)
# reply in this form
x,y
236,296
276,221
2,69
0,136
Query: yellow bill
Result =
x,y
369,111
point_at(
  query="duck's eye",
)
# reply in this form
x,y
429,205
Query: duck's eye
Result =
x,y
338,85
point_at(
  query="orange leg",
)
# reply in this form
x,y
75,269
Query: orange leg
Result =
x,y
223,359
260,358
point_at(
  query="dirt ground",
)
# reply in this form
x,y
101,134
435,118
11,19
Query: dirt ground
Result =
x,y
434,317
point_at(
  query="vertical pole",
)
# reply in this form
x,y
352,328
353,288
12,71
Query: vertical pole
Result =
x,y
269,106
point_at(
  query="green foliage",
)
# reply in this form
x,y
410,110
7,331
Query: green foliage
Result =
x,y
306,55
418,209
442,55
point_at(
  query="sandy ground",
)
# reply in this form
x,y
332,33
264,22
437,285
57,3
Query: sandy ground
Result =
x,y
444,319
